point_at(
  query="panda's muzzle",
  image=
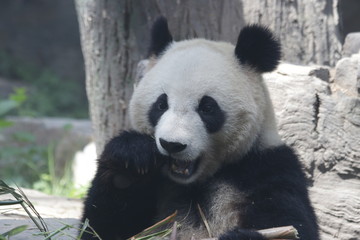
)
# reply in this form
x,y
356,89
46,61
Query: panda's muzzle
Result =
x,y
178,167
183,168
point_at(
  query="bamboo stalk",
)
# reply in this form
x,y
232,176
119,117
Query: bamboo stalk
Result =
x,y
204,220
173,231
287,232
278,233
155,226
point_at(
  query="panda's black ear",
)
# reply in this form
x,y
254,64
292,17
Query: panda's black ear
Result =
x,y
160,37
258,48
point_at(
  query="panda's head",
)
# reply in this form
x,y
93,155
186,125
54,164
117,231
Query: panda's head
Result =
x,y
205,102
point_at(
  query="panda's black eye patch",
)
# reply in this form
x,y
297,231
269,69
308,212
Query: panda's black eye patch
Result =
x,y
158,108
211,114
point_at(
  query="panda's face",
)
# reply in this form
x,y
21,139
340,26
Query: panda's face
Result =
x,y
200,106
204,102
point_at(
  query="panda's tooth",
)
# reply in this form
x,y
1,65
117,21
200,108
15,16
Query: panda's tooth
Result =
x,y
126,164
186,172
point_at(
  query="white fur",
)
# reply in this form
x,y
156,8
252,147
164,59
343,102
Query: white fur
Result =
x,y
186,72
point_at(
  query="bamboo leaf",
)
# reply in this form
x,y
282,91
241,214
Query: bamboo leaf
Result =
x,y
5,123
10,202
15,231
155,226
6,106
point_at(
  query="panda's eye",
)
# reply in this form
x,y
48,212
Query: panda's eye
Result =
x,y
211,114
207,109
162,106
207,105
158,108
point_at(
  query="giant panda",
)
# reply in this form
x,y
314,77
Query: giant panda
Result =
x,y
203,137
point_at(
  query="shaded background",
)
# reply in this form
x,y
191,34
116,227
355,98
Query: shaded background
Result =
x,y
40,49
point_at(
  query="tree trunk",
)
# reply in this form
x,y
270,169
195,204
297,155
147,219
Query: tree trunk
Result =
x,y
104,28
308,30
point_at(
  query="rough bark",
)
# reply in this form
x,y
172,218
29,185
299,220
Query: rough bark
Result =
x,y
106,45
308,30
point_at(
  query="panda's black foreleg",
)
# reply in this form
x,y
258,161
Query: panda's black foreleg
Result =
x,y
122,199
242,234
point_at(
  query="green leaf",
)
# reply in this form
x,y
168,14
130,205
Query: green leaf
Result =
x,y
68,127
19,95
24,136
6,106
4,123
15,231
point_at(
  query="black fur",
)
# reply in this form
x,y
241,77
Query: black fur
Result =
x,y
277,191
211,114
240,234
258,48
157,109
273,181
122,197
160,37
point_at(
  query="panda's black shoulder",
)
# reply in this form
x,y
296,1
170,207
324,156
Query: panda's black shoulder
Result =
x,y
274,167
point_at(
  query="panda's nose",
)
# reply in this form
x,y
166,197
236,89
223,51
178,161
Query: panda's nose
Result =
x,y
172,147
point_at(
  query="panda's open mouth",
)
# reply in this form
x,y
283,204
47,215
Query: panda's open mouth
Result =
x,y
183,168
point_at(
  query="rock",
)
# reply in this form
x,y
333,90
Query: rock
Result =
x,y
351,45
347,75
337,204
323,126
56,211
322,73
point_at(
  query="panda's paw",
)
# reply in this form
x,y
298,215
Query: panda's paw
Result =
x,y
241,234
131,153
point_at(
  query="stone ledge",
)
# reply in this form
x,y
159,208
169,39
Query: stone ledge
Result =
x,y
56,212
